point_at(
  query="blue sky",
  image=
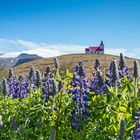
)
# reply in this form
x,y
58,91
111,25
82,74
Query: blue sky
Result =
x,y
68,26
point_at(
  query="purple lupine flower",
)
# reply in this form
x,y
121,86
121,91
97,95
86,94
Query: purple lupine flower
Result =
x,y
98,84
122,129
122,63
10,74
54,86
97,65
49,87
80,76
127,73
60,86
32,77
110,67
31,73
23,87
12,82
56,63
136,130
80,97
81,109
122,67
76,68
18,88
100,81
136,70
47,71
124,72
112,77
80,70
38,79
114,72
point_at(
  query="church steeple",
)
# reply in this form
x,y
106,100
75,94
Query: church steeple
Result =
x,y
102,44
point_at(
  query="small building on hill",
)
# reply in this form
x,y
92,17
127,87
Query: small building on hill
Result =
x,y
95,49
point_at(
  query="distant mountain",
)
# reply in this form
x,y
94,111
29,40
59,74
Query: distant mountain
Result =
x,y
22,58
25,55
8,62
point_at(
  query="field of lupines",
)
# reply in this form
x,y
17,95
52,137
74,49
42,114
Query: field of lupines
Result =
x,y
49,107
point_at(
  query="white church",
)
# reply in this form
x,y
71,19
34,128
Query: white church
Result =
x,y
95,49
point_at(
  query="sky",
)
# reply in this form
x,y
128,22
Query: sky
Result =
x,y
56,27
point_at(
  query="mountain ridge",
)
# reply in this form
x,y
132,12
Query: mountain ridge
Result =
x,y
22,58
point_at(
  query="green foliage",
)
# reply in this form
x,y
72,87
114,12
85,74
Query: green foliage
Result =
x,y
32,118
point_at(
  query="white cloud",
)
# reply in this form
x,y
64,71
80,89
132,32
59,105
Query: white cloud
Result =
x,y
28,44
114,51
40,51
13,48
6,43
66,48
10,54
2,40
117,51
45,52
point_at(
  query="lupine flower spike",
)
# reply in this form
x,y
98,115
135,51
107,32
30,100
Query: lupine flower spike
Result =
x,y
10,74
122,129
50,87
114,72
121,62
136,70
32,74
80,97
97,65
5,90
56,63
136,130
38,79
98,84
122,67
48,71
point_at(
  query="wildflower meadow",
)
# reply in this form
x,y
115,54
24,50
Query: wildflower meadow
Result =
x,y
50,106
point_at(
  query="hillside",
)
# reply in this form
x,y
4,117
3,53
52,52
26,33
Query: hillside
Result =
x,y
22,58
69,61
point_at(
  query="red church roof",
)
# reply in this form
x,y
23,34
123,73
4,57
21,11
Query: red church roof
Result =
x,y
96,48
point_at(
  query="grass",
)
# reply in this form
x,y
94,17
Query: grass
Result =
x,y
69,61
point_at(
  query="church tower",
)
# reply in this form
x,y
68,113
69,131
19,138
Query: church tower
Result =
x,y
102,46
